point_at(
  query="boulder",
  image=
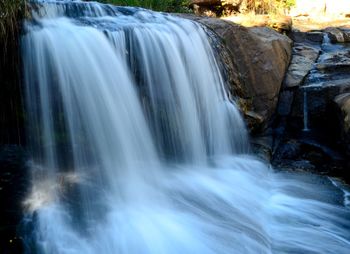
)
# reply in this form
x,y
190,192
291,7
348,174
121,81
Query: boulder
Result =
x,y
335,62
320,97
304,57
314,37
260,56
335,35
346,33
329,77
285,102
281,24
343,103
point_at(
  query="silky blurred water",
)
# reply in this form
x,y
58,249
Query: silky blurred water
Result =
x,y
137,147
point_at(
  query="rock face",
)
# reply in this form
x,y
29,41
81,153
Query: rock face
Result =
x,y
328,78
335,34
260,56
314,105
319,68
343,103
304,57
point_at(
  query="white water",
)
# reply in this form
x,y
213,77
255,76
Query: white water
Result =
x,y
137,148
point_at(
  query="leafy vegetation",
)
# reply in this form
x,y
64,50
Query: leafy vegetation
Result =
x,y
157,5
11,14
10,11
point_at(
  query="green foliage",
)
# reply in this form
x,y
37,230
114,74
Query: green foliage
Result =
x,y
10,12
11,118
290,3
157,5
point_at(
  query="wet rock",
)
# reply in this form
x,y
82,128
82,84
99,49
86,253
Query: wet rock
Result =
x,y
318,152
288,151
322,71
328,78
319,97
337,61
254,121
309,155
262,146
302,165
343,103
315,37
285,103
232,78
304,57
340,66
335,34
346,33
260,56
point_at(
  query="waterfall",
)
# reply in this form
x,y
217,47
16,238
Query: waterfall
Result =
x,y
137,148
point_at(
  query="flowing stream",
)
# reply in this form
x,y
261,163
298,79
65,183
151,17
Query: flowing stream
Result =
x,y
137,147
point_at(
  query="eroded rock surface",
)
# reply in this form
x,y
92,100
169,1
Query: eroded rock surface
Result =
x,y
313,110
260,56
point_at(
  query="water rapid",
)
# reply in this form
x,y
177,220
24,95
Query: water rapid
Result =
x,y
137,147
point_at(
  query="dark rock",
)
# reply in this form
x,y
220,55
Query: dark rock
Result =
x,y
343,103
304,57
322,71
254,121
262,146
307,37
346,33
319,153
285,102
336,61
319,97
302,165
13,187
289,150
335,34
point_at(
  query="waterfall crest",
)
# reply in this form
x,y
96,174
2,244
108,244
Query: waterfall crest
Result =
x,y
137,147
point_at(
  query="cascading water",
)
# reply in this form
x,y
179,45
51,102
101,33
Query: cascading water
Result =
x,y
138,149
